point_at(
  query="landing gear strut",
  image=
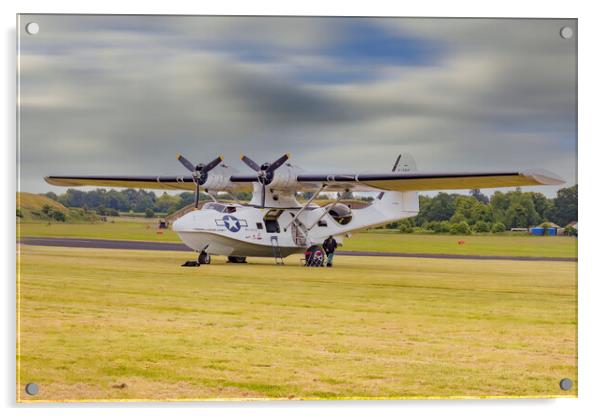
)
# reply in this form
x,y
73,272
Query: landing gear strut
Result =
x,y
204,258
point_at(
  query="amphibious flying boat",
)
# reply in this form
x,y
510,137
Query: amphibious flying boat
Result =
x,y
275,223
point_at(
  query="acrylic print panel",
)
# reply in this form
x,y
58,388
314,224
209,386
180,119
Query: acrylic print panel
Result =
x,y
439,155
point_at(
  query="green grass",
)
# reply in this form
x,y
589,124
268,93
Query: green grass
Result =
x,y
494,245
503,245
110,324
119,228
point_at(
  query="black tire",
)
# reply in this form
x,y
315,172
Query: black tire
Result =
x,y
314,257
204,258
237,259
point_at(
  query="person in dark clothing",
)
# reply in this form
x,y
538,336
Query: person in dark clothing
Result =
x,y
329,246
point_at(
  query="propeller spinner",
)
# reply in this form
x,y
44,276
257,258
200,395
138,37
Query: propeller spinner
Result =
x,y
199,173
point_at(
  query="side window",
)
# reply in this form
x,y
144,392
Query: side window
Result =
x,y
259,226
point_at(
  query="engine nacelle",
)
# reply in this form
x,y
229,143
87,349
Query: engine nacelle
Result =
x,y
218,179
285,178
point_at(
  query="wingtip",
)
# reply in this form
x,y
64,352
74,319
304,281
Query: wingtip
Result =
x,y
545,177
178,156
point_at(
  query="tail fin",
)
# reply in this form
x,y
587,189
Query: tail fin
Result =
x,y
404,163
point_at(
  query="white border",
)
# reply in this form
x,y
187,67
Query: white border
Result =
x,y
589,146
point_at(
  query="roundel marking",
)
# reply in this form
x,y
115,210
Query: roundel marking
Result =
x,y
231,223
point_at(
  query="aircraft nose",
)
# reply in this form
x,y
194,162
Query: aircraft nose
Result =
x,y
178,224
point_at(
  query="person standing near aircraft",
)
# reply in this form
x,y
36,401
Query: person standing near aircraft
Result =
x,y
329,246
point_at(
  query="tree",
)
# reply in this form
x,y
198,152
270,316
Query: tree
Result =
x,y
439,208
481,213
516,216
58,215
186,198
51,195
479,196
167,203
543,205
19,213
520,211
438,226
482,227
149,213
457,218
460,228
406,225
498,227
565,206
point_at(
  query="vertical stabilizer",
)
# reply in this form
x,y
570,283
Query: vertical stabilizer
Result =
x,y
403,163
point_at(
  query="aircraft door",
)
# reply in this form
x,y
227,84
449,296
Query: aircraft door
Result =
x,y
270,220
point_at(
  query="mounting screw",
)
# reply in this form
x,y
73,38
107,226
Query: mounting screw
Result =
x,y
31,389
566,32
566,384
32,28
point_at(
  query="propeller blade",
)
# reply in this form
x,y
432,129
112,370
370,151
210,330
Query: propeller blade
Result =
x,y
262,195
186,163
211,165
250,163
279,162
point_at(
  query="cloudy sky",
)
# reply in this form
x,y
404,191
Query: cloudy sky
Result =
x,y
125,94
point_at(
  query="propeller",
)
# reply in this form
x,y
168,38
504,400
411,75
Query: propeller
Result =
x,y
199,173
265,172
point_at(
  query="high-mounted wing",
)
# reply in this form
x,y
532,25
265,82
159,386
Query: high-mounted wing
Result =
x,y
146,182
184,183
414,181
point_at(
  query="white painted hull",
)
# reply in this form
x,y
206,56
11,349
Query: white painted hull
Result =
x,y
223,246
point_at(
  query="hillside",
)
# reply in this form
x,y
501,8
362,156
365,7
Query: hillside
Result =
x,y
39,207
28,203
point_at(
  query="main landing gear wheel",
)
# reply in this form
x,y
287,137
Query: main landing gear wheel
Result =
x,y
237,259
314,257
204,258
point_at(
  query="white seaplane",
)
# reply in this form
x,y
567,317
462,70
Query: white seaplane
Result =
x,y
275,224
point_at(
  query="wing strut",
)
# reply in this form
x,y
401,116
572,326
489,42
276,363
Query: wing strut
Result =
x,y
309,201
326,208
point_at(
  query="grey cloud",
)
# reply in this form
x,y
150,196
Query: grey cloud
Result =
x,y
106,95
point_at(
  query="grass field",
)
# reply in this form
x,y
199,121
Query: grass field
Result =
x,y
109,324
501,245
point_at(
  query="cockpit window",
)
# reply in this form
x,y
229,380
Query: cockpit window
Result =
x,y
219,207
215,206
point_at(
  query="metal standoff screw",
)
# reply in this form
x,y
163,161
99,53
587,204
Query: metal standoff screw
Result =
x,y
566,384
31,389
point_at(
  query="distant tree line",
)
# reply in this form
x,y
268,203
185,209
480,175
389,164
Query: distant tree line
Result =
x,y
112,202
444,213
465,214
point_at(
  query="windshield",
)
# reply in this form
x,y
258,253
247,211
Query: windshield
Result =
x,y
215,206
219,207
